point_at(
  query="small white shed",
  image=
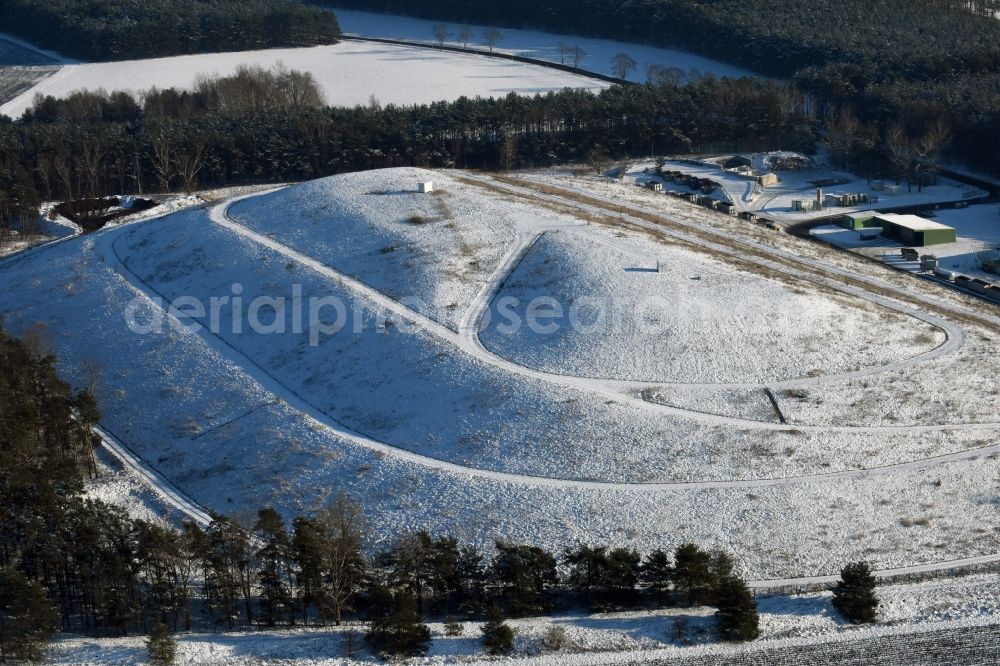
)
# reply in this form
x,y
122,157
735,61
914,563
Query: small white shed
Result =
x,y
425,186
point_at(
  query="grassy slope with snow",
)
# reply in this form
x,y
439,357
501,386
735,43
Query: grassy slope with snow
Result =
x,y
697,320
959,388
443,246
349,74
206,425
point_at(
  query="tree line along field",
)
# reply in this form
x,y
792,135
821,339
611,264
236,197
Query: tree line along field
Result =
x,y
224,134
892,63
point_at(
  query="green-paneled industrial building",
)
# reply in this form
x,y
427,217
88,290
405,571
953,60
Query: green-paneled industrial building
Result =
x,y
906,229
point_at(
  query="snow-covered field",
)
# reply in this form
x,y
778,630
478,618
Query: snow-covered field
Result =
x,y
431,431
537,44
349,74
785,621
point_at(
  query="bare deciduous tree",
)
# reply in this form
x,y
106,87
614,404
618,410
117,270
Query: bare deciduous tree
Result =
x,y
492,37
899,149
441,33
163,162
663,75
62,165
622,64
464,35
564,52
342,524
189,163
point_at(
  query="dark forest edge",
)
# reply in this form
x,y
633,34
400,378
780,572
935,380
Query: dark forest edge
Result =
x,y
938,65
105,30
79,565
271,125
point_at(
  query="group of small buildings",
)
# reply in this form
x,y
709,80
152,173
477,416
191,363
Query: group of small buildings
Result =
x,y
917,231
929,264
700,198
680,178
824,201
742,166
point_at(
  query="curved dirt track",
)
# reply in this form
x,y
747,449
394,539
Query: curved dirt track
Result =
x,y
104,244
295,400
467,339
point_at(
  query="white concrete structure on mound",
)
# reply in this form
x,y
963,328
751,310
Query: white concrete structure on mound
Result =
x,y
349,74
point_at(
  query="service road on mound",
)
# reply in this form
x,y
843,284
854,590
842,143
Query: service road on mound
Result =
x,y
468,341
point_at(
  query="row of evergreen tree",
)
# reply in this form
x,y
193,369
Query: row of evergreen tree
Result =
x,y
77,564
93,144
114,30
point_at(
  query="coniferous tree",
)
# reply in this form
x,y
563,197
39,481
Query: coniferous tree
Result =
x,y
27,617
738,618
470,580
274,559
498,637
525,575
588,570
307,553
161,645
692,572
396,628
657,574
854,595
624,566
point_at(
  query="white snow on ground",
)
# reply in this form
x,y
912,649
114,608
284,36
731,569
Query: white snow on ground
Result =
x,y
211,421
536,44
692,319
956,602
120,487
438,249
956,389
349,74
